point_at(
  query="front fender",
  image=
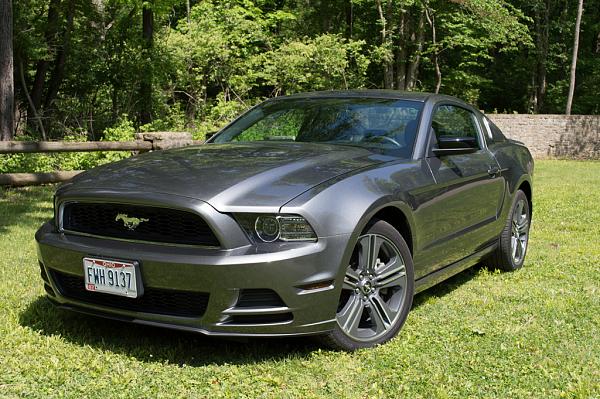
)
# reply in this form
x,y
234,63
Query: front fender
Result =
x,y
346,206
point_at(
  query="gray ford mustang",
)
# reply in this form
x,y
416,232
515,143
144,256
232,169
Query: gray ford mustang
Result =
x,y
320,213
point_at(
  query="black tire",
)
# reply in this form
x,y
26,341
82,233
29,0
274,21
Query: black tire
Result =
x,y
371,328
503,258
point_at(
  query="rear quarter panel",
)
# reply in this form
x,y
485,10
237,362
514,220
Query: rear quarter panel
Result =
x,y
517,166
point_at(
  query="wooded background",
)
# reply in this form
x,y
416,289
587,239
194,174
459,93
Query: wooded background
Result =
x,y
80,67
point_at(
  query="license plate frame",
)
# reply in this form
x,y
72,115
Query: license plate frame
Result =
x,y
112,276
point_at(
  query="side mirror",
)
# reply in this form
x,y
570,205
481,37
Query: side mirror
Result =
x,y
452,145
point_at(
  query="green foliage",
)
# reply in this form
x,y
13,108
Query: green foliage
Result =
x,y
219,113
230,54
482,334
483,24
29,163
471,34
124,131
326,62
214,50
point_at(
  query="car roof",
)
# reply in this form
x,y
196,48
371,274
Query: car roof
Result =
x,y
369,93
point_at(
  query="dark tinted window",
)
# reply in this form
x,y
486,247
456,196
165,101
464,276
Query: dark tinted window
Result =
x,y
386,124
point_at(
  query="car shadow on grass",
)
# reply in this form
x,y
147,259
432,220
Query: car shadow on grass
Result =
x,y
154,344
447,286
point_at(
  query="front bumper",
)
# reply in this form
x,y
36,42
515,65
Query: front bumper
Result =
x,y
306,276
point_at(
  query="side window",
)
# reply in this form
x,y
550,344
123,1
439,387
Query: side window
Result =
x,y
489,136
493,134
453,121
497,133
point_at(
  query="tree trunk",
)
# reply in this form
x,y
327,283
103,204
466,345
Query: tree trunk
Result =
x,y
574,60
187,10
115,86
61,57
388,61
542,24
349,13
146,84
401,52
413,65
30,101
438,73
37,90
7,92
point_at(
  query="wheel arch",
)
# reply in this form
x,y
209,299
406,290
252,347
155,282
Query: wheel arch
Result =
x,y
398,220
525,186
397,213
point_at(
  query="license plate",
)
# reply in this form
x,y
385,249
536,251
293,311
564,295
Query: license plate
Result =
x,y
111,277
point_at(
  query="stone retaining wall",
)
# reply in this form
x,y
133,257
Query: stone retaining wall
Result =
x,y
553,136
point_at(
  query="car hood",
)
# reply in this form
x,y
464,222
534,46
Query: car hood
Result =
x,y
230,176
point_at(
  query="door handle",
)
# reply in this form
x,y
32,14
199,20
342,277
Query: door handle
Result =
x,y
493,171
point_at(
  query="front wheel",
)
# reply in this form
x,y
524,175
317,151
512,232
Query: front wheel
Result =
x,y
377,292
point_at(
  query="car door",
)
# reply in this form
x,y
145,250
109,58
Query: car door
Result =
x,y
467,195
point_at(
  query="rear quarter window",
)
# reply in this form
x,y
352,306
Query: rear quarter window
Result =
x,y
493,134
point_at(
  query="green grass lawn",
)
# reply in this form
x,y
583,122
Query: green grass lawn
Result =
x,y
533,333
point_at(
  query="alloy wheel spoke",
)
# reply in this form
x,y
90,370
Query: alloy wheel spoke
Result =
x,y
523,245
349,317
370,246
351,279
391,274
522,228
519,210
522,217
381,314
519,250
513,246
365,255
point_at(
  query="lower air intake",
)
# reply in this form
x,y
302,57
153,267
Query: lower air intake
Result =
x,y
154,300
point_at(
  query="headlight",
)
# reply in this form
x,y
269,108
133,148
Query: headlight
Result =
x,y
271,228
267,228
295,228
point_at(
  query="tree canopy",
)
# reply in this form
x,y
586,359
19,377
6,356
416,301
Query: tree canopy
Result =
x,y
82,66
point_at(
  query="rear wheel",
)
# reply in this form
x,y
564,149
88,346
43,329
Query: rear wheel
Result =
x,y
377,292
513,242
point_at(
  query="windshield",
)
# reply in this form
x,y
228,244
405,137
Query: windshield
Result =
x,y
386,124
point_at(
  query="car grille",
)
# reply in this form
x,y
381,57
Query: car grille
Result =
x,y
154,300
160,225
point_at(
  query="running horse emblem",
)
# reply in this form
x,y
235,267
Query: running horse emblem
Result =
x,y
130,222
